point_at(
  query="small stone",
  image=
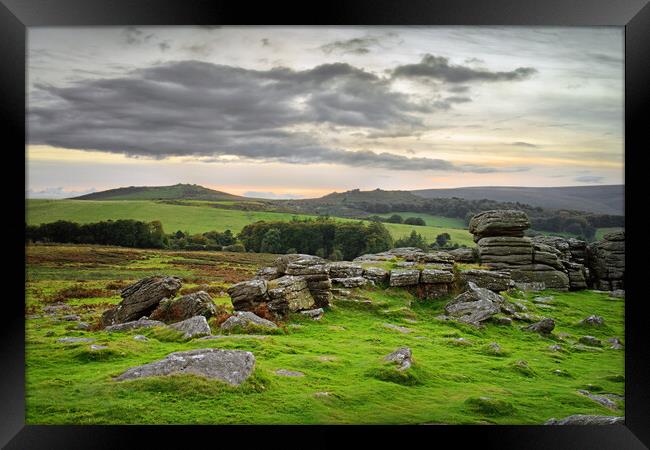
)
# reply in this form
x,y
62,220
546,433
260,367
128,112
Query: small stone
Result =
x,y
322,394
82,326
70,317
543,300
555,348
74,340
590,340
397,328
139,337
315,314
544,326
606,402
582,419
94,347
616,343
289,373
402,356
594,321
194,327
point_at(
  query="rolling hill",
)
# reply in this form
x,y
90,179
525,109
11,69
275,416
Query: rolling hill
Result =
x,y
175,192
605,199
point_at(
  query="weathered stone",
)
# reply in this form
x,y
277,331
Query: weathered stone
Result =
x,y
555,348
267,273
606,402
503,222
135,324
196,326
248,294
500,320
402,357
82,326
617,293
582,419
246,320
195,304
430,291
231,366
351,282
289,293
139,337
464,254
74,340
552,279
594,321
404,277
429,276
591,341
474,305
315,314
544,326
532,286
70,317
141,298
282,263
606,261
94,348
493,280
345,269
376,274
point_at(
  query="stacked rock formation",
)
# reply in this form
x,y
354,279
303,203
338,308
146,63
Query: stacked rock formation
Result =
x,y
141,298
570,252
313,270
606,261
502,245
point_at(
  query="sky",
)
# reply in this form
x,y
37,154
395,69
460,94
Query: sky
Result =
x,y
299,112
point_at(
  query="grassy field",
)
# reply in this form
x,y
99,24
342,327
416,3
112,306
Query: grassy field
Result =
x,y
341,354
199,218
431,220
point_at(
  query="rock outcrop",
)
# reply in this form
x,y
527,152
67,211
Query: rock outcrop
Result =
x,y
501,245
289,293
606,262
141,298
583,419
493,280
231,366
246,321
402,357
193,327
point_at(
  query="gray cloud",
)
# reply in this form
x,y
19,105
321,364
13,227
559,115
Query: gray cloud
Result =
x,y
57,192
438,67
589,179
199,109
272,195
357,46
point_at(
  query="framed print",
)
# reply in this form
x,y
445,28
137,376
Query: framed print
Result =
x,y
377,216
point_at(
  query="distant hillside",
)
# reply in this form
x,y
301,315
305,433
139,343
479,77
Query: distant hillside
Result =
x,y
606,199
175,192
356,202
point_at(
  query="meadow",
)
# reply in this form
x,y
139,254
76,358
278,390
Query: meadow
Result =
x,y
199,217
453,380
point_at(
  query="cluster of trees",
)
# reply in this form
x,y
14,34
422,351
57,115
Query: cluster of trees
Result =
x,y
124,233
323,237
580,223
415,239
210,240
396,218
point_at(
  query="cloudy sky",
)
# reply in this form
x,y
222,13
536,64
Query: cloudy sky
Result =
x,y
290,112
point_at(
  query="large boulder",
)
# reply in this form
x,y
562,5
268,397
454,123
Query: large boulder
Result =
x,y
493,280
195,304
404,277
267,273
475,305
352,282
298,259
231,366
501,222
289,293
247,321
544,326
141,298
315,272
542,274
193,327
248,294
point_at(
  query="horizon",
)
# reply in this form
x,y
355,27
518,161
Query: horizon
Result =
x,y
300,112
43,195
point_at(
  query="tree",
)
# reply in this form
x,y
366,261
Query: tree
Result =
x,y
442,239
414,240
271,242
395,218
415,221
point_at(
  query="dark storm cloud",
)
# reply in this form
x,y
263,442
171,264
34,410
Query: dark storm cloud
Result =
x,y
438,68
192,108
357,46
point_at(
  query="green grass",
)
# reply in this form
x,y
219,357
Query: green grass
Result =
x,y
600,232
342,354
197,218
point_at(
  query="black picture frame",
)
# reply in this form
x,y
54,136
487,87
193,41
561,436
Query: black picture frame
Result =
x,y
17,15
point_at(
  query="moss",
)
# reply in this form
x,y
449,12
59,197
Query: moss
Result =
x,y
413,376
489,406
521,367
